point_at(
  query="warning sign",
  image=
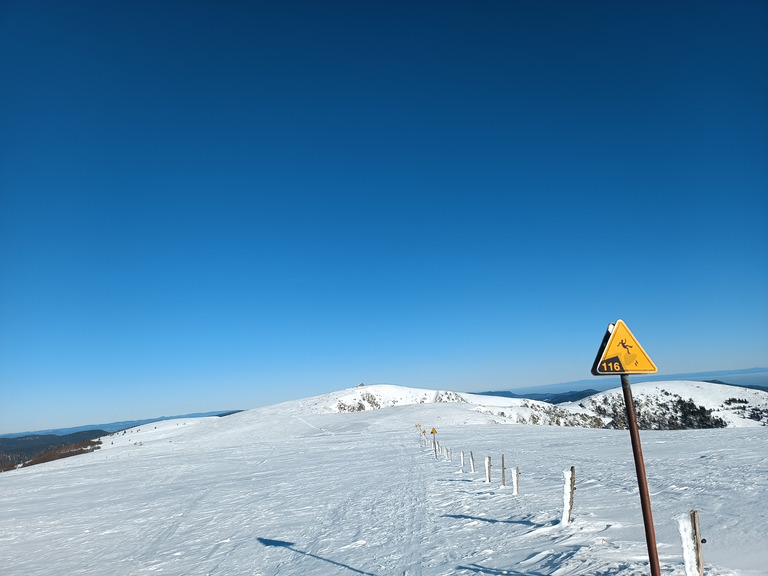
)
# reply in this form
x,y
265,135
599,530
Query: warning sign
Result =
x,y
620,353
433,431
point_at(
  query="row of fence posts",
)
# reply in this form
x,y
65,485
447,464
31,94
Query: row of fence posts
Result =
x,y
447,453
692,553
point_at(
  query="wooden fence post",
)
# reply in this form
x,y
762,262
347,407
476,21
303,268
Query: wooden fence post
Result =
x,y
697,541
472,461
503,472
462,460
488,469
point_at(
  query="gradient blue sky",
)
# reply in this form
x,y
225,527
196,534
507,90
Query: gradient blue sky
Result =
x,y
218,205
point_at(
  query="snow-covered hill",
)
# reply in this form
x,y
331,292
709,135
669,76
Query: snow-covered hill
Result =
x,y
680,404
660,405
303,488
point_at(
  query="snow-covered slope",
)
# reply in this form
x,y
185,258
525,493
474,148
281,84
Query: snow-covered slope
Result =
x,y
480,409
661,405
299,488
681,404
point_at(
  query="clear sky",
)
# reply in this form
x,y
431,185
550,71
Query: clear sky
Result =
x,y
220,205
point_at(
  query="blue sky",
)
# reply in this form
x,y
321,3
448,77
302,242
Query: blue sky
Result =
x,y
210,205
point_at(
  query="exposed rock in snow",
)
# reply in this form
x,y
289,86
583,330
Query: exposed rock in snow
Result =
x,y
669,405
682,404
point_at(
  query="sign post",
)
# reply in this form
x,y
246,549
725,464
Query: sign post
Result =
x,y
621,354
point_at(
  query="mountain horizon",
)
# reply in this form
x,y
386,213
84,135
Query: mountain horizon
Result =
x,y
755,378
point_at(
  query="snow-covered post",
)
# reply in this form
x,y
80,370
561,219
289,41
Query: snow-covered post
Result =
x,y
462,460
488,469
515,481
690,532
568,488
503,472
472,461
697,541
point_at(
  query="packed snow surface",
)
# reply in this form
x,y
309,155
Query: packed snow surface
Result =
x,y
305,488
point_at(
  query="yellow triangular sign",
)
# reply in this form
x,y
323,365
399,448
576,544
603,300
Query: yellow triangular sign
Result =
x,y
620,353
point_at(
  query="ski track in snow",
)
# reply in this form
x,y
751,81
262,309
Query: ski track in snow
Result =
x,y
274,492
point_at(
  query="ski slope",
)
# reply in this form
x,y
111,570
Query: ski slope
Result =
x,y
301,488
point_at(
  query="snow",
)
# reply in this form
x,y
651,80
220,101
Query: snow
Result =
x,y
301,488
566,497
711,396
689,550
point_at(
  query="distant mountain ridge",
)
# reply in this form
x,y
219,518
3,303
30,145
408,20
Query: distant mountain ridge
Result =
x,y
115,426
753,387
552,397
755,378
22,447
33,443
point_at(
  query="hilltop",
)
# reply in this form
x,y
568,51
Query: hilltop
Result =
x,y
660,405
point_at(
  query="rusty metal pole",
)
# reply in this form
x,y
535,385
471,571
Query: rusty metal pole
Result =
x,y
645,499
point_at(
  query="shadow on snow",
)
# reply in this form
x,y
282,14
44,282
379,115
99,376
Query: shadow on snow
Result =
x,y
290,546
494,521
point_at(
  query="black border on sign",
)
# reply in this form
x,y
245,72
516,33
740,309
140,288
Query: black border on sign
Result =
x,y
600,352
